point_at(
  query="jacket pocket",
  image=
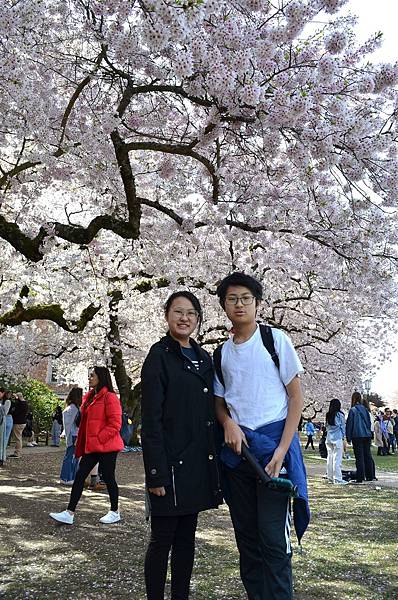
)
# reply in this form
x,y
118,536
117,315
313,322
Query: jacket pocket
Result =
x,y
187,478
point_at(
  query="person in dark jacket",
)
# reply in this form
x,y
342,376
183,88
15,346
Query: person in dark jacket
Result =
x,y
19,411
358,430
177,438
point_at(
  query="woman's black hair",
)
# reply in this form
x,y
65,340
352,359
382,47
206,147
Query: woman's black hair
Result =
x,y
189,296
74,397
238,278
105,379
334,408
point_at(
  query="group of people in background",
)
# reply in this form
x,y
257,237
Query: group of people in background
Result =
x,y
13,418
359,429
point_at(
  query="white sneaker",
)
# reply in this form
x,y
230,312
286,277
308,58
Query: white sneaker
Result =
x,y
31,445
62,482
111,517
342,482
63,517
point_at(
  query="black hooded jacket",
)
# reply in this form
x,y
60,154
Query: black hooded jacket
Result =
x,y
178,425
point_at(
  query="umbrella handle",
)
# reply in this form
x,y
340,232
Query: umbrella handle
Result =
x,y
278,484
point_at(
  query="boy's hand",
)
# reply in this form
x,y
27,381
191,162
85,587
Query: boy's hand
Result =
x,y
275,464
233,436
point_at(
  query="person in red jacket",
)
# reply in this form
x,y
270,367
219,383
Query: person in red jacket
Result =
x,y
98,441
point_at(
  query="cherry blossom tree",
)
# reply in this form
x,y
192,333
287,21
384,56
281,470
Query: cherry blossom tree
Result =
x,y
149,144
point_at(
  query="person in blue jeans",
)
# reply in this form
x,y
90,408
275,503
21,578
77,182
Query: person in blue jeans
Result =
x,y
56,427
69,414
310,431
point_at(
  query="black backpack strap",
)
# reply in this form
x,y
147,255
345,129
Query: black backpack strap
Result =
x,y
268,341
217,364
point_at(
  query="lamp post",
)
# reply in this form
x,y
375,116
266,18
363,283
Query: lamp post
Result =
x,y
367,384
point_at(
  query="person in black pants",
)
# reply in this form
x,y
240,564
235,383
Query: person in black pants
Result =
x,y
358,430
259,402
98,441
178,446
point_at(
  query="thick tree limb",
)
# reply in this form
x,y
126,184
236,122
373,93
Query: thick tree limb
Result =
x,y
49,312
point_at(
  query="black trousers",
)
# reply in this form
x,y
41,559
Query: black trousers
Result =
x,y
310,441
363,458
178,534
107,465
261,520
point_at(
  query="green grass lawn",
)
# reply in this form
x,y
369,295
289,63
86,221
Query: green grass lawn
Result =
x,y
350,549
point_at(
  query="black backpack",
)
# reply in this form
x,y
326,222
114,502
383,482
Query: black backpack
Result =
x,y
268,341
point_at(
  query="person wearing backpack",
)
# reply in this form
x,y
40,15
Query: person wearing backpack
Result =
x,y
259,402
358,430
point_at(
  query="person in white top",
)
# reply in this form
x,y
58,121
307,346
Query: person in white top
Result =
x,y
69,414
255,395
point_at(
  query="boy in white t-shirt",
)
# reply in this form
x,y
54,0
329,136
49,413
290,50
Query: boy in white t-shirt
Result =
x,y
255,395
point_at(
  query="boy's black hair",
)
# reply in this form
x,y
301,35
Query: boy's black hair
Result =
x,y
189,296
238,278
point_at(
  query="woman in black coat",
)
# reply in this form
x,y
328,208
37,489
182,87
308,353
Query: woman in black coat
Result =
x,y
177,436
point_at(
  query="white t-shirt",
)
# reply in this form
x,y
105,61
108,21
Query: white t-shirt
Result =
x,y
254,390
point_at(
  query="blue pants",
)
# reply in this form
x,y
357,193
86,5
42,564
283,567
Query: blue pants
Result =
x,y
55,433
69,464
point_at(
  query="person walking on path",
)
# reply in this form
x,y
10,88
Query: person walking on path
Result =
x,y
310,432
358,431
9,419
5,405
98,441
56,427
178,446
69,415
19,411
259,402
335,433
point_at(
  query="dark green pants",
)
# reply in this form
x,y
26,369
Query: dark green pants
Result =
x,y
261,520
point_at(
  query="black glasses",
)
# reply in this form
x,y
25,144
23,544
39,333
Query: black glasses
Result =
x,y
233,300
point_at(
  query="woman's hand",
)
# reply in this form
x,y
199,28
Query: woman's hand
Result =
x,y
157,491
